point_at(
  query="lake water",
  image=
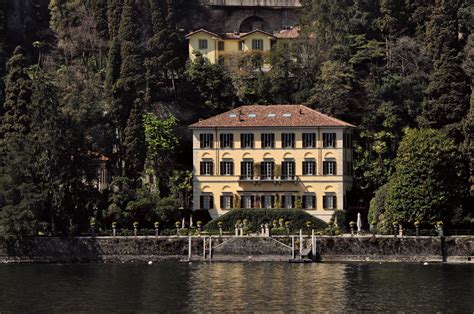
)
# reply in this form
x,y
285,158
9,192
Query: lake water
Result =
x,y
231,287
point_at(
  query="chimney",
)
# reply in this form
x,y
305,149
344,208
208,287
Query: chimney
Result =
x,y
241,119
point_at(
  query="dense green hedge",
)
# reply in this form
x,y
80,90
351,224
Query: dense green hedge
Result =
x,y
256,217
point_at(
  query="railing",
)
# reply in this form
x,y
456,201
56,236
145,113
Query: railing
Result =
x,y
268,178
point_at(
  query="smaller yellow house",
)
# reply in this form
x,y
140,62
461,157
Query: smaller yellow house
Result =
x,y
227,48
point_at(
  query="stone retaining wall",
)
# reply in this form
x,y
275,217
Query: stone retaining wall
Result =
x,y
125,249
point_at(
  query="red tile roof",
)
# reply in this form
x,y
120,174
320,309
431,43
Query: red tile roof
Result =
x,y
288,33
283,34
271,116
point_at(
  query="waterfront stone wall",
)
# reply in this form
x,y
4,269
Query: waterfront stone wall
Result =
x,y
127,249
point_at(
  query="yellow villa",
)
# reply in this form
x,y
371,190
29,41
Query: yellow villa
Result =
x,y
279,156
225,49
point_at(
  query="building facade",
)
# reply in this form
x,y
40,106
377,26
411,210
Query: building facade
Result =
x,y
280,156
247,15
228,48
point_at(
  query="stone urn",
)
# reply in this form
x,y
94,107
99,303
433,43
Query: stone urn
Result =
x,y
352,225
157,228
114,229
135,228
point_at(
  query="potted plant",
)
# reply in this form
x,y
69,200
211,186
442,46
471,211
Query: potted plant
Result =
x,y
157,226
439,225
178,226
308,224
417,227
135,228
352,225
287,227
219,224
114,228
330,224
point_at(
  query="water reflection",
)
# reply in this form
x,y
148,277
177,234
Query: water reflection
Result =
x,y
235,287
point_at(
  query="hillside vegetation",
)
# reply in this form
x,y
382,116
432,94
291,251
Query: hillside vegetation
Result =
x,y
96,80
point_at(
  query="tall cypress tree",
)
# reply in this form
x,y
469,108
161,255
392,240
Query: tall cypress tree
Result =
x,y
155,65
447,95
19,200
164,50
134,143
17,96
125,78
114,12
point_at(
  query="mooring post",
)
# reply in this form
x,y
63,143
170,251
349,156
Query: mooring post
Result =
x,y
204,247
301,243
189,248
293,247
313,245
210,248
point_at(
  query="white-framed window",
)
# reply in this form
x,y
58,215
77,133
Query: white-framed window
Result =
x,y
206,168
329,140
268,169
247,201
207,201
309,167
330,201
203,44
227,140
287,169
267,201
257,44
246,140
206,140
288,201
241,45
288,140
309,201
226,201
227,168
268,140
309,140
329,167
246,169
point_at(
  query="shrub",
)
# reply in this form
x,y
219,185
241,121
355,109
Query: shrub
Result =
x,y
257,217
278,231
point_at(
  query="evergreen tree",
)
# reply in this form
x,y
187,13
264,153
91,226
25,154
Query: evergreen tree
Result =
x,y
134,143
17,96
131,80
125,78
20,202
429,183
447,95
164,50
114,12
155,62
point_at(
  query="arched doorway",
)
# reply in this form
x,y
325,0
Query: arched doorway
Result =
x,y
252,23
